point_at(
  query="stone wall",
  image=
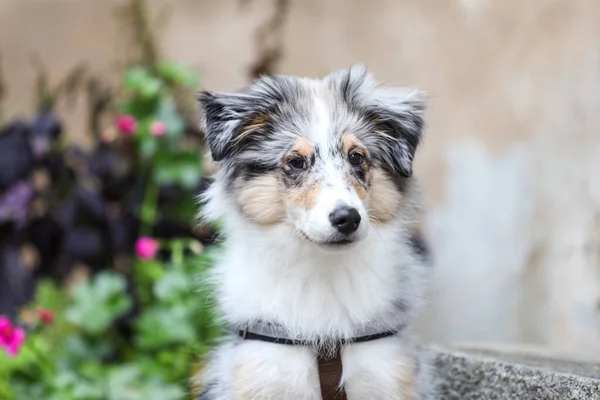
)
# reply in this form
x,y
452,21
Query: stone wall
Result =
x,y
510,159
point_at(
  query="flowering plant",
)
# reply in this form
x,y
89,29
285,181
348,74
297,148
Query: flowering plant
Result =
x,y
11,337
125,314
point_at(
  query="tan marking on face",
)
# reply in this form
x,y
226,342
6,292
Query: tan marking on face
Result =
x,y
358,187
349,142
304,147
304,196
261,199
384,197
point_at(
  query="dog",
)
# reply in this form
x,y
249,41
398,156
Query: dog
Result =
x,y
323,257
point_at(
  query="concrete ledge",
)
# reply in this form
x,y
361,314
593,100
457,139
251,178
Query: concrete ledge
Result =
x,y
495,374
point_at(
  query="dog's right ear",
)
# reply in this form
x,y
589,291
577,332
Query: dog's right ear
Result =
x,y
232,121
220,121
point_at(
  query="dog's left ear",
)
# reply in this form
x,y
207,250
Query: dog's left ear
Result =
x,y
396,115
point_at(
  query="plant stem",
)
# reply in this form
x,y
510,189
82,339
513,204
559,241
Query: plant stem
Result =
x,y
141,33
45,361
148,212
177,252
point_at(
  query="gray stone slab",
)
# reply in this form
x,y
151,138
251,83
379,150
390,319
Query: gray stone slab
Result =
x,y
492,374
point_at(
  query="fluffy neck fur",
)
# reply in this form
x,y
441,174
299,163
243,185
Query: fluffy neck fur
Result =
x,y
266,273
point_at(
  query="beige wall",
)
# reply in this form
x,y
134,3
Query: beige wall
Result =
x,y
512,146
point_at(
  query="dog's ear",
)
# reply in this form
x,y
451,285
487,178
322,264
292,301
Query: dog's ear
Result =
x,y
395,115
231,121
222,116
397,118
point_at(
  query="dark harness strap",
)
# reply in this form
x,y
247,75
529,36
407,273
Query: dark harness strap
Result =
x,y
329,365
244,334
330,376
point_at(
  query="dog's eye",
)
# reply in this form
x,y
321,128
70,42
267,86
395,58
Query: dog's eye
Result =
x,y
356,159
297,162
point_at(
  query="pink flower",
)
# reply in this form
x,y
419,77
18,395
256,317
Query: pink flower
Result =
x,y
126,124
6,328
158,128
146,248
11,337
46,316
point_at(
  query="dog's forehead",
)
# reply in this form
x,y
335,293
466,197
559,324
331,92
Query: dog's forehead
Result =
x,y
318,113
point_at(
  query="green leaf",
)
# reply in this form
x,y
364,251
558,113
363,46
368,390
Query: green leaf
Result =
x,y
148,147
160,326
26,390
146,272
182,168
135,78
177,74
127,382
96,304
172,286
48,295
139,108
151,89
149,271
184,209
189,175
76,349
167,112
76,387
142,83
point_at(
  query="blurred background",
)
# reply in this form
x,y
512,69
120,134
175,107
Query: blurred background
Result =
x,y
100,160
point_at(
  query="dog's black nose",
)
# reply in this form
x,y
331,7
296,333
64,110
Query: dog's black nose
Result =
x,y
345,219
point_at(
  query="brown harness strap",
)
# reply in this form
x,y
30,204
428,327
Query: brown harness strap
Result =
x,y
330,376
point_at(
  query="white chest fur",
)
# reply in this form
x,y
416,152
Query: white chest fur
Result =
x,y
265,276
377,370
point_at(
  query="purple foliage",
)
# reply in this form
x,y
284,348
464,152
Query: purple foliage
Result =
x,y
16,159
44,128
88,211
15,203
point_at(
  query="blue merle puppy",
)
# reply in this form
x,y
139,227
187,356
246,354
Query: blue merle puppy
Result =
x,y
320,213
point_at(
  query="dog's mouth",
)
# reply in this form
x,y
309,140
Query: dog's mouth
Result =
x,y
338,243
335,243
